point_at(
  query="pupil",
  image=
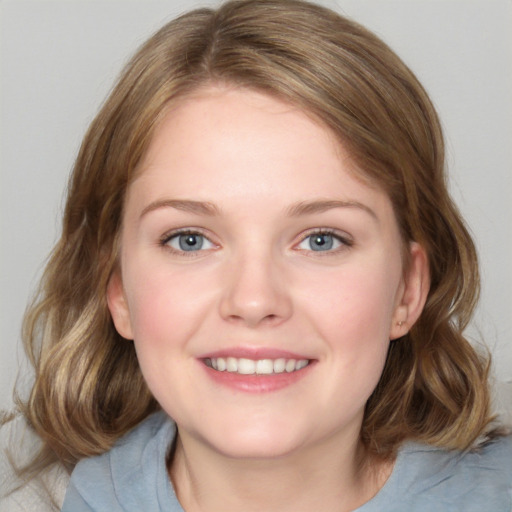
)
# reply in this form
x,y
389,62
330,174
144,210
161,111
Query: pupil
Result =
x,y
322,242
190,242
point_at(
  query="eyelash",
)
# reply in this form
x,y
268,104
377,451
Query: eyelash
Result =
x,y
165,239
344,240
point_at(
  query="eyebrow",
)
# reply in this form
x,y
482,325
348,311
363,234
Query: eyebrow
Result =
x,y
186,205
296,210
319,206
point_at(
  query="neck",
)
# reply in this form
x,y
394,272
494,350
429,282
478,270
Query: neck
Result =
x,y
338,478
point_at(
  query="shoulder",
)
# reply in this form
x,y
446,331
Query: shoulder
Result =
x,y
491,461
45,492
132,472
453,480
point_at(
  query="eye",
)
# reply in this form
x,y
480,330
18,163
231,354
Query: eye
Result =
x,y
323,241
187,241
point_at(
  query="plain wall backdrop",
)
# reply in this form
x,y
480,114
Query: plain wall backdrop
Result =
x,y
58,60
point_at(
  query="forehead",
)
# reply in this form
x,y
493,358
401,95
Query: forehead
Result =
x,y
241,143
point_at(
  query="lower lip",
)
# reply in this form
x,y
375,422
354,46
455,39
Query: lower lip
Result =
x,y
257,383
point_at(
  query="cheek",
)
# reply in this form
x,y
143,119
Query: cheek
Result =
x,y
354,324
165,307
355,303
352,314
166,310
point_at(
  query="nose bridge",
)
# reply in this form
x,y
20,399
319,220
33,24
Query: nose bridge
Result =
x,y
255,290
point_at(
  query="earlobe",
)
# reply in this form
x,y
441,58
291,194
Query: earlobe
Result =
x,y
118,306
413,293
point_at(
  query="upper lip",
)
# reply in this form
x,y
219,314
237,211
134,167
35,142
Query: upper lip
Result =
x,y
255,353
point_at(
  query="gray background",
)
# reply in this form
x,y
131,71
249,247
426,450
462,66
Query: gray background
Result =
x,y
58,60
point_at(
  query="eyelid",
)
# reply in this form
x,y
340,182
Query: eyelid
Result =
x,y
169,235
344,238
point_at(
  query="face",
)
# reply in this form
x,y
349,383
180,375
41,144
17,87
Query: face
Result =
x,y
260,279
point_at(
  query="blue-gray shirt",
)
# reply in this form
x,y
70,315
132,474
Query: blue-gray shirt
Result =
x,y
132,477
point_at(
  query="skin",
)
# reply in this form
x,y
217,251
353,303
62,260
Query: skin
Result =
x,y
258,283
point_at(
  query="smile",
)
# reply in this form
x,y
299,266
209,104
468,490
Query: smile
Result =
x,y
244,366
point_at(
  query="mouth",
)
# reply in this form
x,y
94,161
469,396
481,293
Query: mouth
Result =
x,y
244,366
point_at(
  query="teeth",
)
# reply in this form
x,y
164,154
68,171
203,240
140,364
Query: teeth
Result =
x,y
264,366
290,365
245,366
301,364
231,364
279,365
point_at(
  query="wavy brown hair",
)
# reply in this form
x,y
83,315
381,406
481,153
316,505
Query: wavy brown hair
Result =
x,y
88,388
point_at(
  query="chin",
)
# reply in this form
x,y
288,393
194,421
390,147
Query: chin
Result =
x,y
256,443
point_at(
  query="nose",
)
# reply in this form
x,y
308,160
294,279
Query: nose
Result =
x,y
255,292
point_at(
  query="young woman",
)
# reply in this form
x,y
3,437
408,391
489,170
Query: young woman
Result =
x,y
258,298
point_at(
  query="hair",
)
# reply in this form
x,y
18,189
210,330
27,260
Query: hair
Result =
x,y
88,388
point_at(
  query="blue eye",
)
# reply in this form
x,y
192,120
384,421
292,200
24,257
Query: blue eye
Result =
x,y
322,242
188,242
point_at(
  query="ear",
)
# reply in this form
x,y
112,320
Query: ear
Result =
x,y
118,306
413,292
